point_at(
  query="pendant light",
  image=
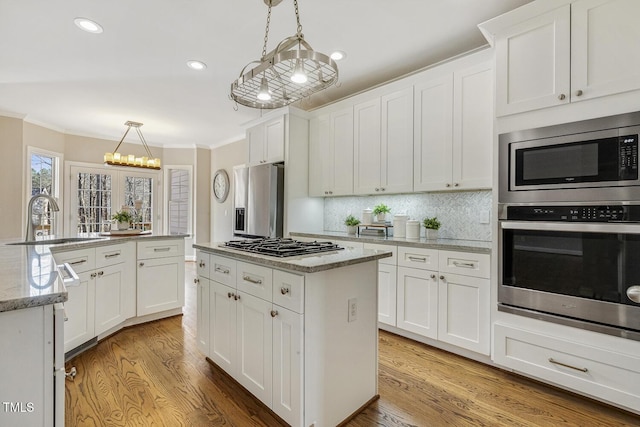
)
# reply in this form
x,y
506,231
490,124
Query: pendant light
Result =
x,y
290,72
117,159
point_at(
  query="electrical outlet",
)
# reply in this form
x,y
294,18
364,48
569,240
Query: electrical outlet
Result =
x,y
485,216
353,309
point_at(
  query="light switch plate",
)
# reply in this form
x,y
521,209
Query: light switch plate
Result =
x,y
353,309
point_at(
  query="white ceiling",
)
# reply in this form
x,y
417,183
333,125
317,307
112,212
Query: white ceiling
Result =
x,y
55,75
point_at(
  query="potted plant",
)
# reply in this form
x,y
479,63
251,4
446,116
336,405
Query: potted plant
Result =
x,y
123,218
381,211
352,224
432,225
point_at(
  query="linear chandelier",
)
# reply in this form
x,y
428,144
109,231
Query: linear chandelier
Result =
x,y
290,72
116,159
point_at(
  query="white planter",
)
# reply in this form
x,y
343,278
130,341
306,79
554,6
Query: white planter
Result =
x,y
351,229
382,217
123,225
431,233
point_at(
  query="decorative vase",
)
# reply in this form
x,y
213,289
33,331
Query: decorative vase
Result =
x,y
123,225
351,229
431,233
381,217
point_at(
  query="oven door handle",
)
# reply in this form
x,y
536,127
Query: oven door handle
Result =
x,y
582,227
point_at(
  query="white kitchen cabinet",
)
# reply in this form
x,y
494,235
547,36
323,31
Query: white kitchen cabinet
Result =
x,y
568,53
203,287
383,144
222,328
160,275
454,130
417,302
266,141
331,159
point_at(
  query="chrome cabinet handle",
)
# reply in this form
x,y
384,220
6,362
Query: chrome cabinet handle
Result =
x,y
555,362
222,270
82,261
415,258
250,280
562,97
274,313
161,249
579,92
113,255
464,264
284,291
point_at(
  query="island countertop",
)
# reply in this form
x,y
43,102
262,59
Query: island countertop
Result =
x,y
29,273
303,263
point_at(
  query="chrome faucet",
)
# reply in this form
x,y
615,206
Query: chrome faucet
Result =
x,y
31,232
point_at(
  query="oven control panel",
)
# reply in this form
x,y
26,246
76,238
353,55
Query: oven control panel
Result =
x,y
600,213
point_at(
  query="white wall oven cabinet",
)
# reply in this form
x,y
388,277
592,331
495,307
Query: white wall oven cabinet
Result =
x,y
566,53
160,275
266,141
454,130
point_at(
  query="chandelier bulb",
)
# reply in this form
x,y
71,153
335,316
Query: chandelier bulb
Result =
x,y
263,94
299,76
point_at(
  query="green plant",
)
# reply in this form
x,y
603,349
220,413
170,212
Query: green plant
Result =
x,y
431,223
351,221
381,209
122,216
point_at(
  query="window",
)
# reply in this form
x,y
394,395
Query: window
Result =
x,y
43,167
93,199
137,197
179,190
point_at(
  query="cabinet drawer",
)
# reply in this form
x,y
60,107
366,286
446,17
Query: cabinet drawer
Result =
x,y
393,249
160,248
288,290
596,371
426,259
202,264
113,254
465,263
222,270
255,280
81,260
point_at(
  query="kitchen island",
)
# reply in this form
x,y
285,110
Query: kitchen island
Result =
x,y
299,333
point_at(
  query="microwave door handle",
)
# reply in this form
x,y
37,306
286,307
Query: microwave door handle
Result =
x,y
577,227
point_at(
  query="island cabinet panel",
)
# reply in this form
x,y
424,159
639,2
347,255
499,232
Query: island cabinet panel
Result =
x,y
160,276
222,327
80,307
203,289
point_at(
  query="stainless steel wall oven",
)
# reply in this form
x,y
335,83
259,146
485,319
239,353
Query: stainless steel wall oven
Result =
x,y
569,225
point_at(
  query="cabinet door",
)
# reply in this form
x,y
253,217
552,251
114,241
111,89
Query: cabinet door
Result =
x,y
255,144
111,295
160,284
222,326
605,59
274,140
366,147
288,365
202,321
418,301
320,155
473,127
533,63
464,307
433,134
387,281
340,169
79,309
254,346
396,167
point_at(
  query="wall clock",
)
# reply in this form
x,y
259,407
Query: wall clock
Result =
x,y
220,185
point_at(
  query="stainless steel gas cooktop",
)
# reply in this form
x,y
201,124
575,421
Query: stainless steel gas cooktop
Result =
x,y
281,247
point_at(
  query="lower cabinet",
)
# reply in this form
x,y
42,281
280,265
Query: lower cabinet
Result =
x,y
387,280
160,276
417,301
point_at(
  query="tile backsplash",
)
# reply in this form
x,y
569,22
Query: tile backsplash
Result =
x,y
463,214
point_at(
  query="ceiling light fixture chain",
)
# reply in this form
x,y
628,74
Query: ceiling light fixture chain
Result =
x,y
291,72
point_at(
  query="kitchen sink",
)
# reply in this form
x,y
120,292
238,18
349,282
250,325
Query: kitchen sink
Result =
x,y
55,241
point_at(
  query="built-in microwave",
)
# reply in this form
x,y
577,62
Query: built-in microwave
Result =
x,y
592,160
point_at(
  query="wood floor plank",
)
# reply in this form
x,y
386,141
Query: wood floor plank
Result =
x,y
154,375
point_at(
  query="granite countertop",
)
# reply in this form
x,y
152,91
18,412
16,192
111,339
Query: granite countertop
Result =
x,y
474,246
305,263
29,274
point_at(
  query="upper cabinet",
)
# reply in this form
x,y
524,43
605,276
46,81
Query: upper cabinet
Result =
x,y
454,130
550,53
266,141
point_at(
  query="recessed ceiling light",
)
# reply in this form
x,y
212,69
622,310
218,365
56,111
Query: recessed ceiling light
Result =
x,y
196,65
338,55
88,25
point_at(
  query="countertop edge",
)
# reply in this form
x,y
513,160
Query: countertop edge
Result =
x,y
113,240
33,301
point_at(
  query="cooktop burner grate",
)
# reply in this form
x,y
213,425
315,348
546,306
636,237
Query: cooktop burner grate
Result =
x,y
281,247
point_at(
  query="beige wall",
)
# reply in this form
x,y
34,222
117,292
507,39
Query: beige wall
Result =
x,y
46,139
225,157
11,178
202,195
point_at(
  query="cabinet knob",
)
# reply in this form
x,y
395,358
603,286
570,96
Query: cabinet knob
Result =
x,y
196,280
201,264
433,276
236,297
579,92
448,185
274,313
377,189
93,275
456,185
100,273
382,189
326,192
330,192
441,277
284,291
562,97
141,264
230,295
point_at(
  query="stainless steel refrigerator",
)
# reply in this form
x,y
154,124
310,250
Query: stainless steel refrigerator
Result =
x,y
258,200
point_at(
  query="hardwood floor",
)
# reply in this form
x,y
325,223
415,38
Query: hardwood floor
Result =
x,y
153,375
